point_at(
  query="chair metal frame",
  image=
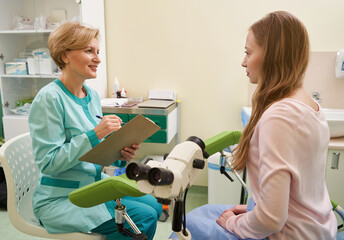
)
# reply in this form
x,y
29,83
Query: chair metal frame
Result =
x,y
22,173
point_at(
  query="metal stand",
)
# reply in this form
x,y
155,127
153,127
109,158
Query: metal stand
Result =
x,y
225,160
181,235
122,216
179,217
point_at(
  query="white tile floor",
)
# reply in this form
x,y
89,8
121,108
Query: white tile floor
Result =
x,y
197,196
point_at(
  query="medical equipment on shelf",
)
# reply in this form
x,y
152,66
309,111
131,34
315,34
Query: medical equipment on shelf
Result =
x,y
168,180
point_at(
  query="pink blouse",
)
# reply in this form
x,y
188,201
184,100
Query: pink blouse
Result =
x,y
286,169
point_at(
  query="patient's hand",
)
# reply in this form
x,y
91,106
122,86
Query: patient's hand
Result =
x,y
237,209
128,153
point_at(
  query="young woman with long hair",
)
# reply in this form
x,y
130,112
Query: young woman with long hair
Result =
x,y
284,145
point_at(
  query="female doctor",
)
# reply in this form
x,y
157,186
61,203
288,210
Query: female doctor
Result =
x,y
63,127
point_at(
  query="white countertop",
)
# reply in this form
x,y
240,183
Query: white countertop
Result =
x,y
336,143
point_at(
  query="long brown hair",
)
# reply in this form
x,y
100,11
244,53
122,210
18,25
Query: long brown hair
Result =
x,y
285,44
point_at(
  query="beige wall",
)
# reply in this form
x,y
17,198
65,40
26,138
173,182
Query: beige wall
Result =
x,y
195,47
320,77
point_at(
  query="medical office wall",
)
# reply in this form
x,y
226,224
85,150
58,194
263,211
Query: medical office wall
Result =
x,y
196,47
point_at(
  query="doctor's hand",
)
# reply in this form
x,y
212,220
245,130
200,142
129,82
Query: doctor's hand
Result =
x,y
107,125
236,210
128,153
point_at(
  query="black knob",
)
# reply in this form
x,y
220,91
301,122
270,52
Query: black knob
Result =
x,y
198,163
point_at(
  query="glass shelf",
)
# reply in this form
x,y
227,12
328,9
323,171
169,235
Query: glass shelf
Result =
x,y
24,31
29,76
26,116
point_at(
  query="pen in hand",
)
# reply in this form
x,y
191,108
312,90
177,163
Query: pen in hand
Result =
x,y
101,117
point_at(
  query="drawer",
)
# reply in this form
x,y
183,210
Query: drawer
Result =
x,y
123,116
160,120
158,137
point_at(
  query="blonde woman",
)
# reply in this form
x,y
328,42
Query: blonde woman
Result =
x,y
284,145
63,127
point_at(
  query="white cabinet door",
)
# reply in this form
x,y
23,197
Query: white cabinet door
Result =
x,y
335,176
92,13
15,125
220,189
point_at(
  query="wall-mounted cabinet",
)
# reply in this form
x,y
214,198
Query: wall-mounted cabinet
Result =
x,y
24,32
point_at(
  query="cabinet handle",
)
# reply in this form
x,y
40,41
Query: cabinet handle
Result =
x,y
335,160
2,56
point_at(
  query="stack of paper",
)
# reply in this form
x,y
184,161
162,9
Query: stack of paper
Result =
x,y
113,102
155,104
162,94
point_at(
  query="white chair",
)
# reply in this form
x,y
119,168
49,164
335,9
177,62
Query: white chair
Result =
x,y
22,174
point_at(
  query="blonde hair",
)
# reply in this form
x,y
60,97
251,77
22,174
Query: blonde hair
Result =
x,y
285,44
69,36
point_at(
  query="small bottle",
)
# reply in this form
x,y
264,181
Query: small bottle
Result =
x,y
115,87
123,93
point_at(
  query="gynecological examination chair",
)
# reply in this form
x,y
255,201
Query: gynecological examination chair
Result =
x,y
168,181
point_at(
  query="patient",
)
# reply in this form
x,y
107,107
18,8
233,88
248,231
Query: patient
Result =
x,y
284,145
63,127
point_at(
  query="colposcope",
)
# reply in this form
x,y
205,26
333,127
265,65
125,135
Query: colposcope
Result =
x,y
169,180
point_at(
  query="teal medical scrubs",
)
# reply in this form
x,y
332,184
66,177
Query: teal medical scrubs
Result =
x,y
61,127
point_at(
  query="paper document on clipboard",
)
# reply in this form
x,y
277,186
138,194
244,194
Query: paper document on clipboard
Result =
x,y
108,151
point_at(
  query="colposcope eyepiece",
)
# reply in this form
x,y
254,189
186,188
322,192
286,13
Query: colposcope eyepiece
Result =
x,y
160,176
197,140
200,143
137,171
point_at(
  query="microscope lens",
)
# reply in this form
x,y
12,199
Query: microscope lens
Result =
x,y
137,171
160,176
157,176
